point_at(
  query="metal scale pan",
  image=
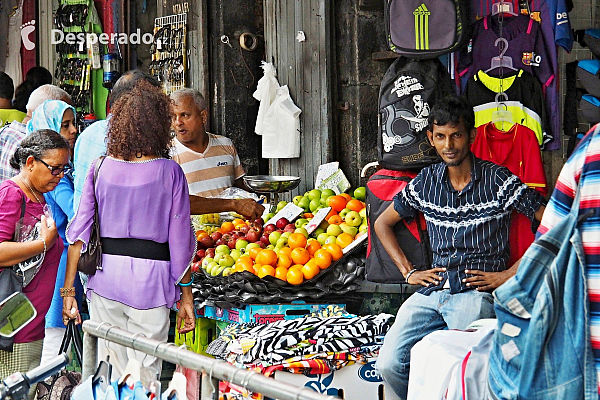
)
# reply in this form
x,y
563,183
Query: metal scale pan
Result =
x,y
272,184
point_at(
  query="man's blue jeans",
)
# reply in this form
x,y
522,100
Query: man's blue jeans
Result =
x,y
419,316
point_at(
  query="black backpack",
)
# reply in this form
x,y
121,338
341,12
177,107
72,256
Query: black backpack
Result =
x,y
427,28
409,90
412,236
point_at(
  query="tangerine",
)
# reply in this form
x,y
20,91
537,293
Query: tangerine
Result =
x,y
250,268
300,255
322,258
338,203
254,252
200,235
244,261
346,196
285,250
355,205
344,239
295,276
313,246
297,240
265,270
266,257
227,227
335,251
310,270
284,260
330,214
238,222
335,220
281,273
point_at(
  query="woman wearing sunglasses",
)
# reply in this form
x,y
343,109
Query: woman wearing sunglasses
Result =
x,y
59,117
41,159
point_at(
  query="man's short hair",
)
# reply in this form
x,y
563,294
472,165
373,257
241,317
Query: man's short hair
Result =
x,y
200,101
38,76
46,92
128,81
7,88
452,110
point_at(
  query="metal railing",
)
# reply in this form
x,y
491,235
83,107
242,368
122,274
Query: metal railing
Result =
x,y
212,370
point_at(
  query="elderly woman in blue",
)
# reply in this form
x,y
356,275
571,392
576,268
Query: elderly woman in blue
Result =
x,y
60,117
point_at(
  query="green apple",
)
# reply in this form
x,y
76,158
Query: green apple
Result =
x,y
212,266
363,213
323,201
274,237
241,244
313,205
222,249
304,203
334,230
280,205
360,193
363,228
318,231
302,231
344,212
218,270
351,230
270,247
206,261
235,254
353,218
269,216
314,194
300,221
286,234
227,271
327,193
251,246
330,239
226,261
296,199
322,237
281,242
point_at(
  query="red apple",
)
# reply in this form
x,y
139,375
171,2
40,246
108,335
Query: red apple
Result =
x,y
281,223
253,236
196,266
220,242
289,228
269,228
201,253
210,252
207,242
265,239
261,244
216,236
259,222
231,244
244,229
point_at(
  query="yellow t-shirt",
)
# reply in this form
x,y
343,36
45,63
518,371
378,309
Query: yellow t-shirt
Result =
x,y
8,115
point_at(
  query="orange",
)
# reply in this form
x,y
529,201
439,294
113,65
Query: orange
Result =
x,y
346,196
266,257
265,270
338,203
300,255
295,276
310,270
335,220
355,205
296,266
297,240
330,214
201,234
308,215
285,250
238,222
313,246
227,227
244,261
281,273
344,239
283,260
254,252
322,258
238,267
335,251
250,268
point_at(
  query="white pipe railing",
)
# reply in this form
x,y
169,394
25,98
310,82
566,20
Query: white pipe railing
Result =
x,y
212,370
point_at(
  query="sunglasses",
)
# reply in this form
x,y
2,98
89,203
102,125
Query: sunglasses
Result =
x,y
55,170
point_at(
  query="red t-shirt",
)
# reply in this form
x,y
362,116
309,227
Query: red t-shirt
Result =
x,y
516,149
41,288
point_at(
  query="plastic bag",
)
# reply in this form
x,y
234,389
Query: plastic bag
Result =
x,y
281,127
237,193
265,93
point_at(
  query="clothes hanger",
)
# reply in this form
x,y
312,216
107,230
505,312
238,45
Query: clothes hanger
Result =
x,y
503,7
502,115
102,374
501,61
177,386
132,372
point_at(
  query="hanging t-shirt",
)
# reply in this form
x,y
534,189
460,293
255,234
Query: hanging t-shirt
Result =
x,y
516,149
525,101
13,59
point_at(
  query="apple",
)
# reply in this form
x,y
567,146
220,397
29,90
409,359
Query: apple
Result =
x,y
304,202
256,228
269,228
220,242
235,254
196,267
201,253
226,238
327,193
222,249
274,237
258,222
253,236
351,230
226,261
344,212
314,194
270,247
206,261
289,228
265,239
360,193
333,230
244,229
363,213
207,242
330,239
268,216
296,200
227,271
314,204
323,201
216,236
219,270
231,244
302,231
210,252
280,205
212,266
318,231
281,242
353,218
363,228
261,245
241,244
287,234
322,237
251,246
281,223
300,221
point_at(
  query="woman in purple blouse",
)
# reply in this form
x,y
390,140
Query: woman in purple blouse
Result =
x,y
147,239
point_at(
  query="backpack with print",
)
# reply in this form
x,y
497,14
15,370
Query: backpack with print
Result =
x,y
427,28
409,90
411,235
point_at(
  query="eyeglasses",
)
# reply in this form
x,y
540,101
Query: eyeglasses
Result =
x,y
55,170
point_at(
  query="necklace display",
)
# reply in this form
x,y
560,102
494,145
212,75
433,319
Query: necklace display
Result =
x,y
30,188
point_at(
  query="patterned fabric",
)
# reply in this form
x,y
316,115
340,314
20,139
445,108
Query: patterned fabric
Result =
x,y
49,115
24,357
572,176
467,229
209,173
10,137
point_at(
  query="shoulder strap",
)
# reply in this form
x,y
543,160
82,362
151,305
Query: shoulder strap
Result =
x,y
96,217
23,205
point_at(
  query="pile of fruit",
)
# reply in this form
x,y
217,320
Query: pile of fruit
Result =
x,y
285,250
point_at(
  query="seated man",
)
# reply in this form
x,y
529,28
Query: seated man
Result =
x,y
210,162
8,113
467,204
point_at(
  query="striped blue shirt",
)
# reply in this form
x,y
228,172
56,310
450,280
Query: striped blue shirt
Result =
x,y
468,229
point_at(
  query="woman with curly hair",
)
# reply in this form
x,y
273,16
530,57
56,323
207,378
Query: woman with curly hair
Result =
x,y
147,239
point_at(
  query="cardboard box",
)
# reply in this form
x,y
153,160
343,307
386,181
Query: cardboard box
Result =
x,y
264,313
198,340
355,382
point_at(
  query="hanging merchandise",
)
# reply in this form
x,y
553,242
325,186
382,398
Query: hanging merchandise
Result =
x,y
588,72
408,91
592,41
426,29
281,127
13,58
590,107
169,54
266,91
112,70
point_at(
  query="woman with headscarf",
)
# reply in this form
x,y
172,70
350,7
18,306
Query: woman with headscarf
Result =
x,y
60,117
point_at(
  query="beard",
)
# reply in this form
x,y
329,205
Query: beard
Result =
x,y
456,163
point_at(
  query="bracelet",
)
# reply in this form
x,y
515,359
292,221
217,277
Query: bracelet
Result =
x,y
412,271
67,292
45,248
187,284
